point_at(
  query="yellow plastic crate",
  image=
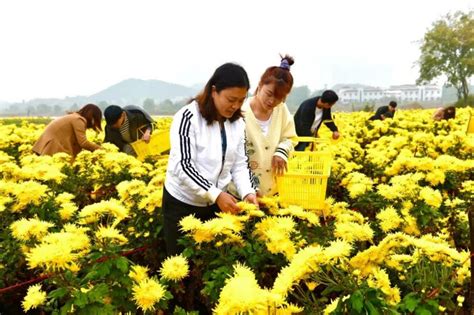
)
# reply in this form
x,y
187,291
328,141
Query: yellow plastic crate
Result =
x,y
305,183
159,143
470,124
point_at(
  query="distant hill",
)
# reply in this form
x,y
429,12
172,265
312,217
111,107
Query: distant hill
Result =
x,y
134,91
126,92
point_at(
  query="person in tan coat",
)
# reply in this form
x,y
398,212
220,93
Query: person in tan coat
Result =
x,y
68,133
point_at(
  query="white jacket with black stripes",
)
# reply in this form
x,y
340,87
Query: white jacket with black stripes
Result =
x,y
197,171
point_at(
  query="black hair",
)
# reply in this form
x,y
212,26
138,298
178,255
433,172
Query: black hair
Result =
x,y
329,97
112,114
393,104
229,75
449,112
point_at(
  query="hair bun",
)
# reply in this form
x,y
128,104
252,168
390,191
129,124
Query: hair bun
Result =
x,y
284,64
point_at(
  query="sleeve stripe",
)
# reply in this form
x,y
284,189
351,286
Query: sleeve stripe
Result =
x,y
282,151
186,152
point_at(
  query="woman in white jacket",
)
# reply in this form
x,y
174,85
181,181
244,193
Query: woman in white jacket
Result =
x,y
207,153
270,126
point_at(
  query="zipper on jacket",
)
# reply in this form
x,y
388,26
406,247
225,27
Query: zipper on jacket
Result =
x,y
224,149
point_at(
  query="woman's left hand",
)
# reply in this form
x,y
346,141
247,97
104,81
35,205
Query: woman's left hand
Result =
x,y
279,166
251,198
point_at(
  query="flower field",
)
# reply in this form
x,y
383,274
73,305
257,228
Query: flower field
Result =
x,y
392,238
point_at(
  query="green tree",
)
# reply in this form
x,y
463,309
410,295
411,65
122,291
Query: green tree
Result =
x,y
149,105
58,110
74,108
44,109
102,105
448,49
297,96
166,107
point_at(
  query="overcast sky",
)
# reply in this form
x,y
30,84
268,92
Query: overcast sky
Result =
x,y
58,48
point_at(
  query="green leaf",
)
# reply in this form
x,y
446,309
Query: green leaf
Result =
x,y
97,293
411,302
422,310
188,252
80,299
95,256
58,293
158,229
122,264
102,269
357,301
97,309
90,276
66,309
371,308
433,305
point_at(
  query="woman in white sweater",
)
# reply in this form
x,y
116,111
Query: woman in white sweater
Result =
x,y
207,153
270,127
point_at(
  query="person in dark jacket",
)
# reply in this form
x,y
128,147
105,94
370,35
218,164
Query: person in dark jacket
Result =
x,y
127,125
312,113
385,112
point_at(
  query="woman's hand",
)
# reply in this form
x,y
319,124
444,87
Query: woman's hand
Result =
x,y
251,198
335,135
279,166
227,203
146,136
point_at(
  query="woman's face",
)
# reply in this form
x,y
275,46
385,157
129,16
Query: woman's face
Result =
x,y
266,96
229,100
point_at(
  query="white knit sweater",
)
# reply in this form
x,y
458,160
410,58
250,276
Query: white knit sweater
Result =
x,y
261,148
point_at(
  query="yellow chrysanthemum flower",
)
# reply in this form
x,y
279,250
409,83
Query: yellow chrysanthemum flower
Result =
x,y
389,219
127,189
138,273
64,197
24,229
190,223
337,250
92,213
242,294
431,197
67,210
147,293
59,251
153,199
36,193
351,231
110,233
300,213
304,262
34,297
175,268
331,307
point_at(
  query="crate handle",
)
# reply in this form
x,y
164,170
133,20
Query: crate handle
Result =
x,y
313,141
140,133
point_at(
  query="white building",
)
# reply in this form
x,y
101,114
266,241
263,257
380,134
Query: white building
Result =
x,y
410,92
407,93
